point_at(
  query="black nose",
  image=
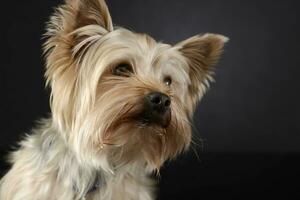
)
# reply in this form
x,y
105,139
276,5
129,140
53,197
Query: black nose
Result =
x,y
158,102
157,109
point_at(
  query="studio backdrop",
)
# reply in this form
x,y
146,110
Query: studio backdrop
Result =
x,y
246,128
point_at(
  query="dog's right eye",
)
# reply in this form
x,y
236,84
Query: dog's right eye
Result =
x,y
123,69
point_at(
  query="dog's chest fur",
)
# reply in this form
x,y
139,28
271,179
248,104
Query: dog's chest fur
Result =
x,y
47,166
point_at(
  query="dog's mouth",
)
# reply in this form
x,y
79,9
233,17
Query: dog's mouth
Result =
x,y
160,118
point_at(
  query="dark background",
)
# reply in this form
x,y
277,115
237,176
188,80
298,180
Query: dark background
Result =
x,y
248,121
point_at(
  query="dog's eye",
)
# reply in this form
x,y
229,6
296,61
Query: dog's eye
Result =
x,y
123,69
168,80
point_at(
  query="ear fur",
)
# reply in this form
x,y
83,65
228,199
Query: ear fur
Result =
x,y
73,27
202,53
93,12
67,29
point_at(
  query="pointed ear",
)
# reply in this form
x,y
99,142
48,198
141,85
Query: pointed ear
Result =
x,y
202,52
75,21
91,12
75,14
73,28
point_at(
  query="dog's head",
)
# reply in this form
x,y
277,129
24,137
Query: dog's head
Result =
x,y
119,96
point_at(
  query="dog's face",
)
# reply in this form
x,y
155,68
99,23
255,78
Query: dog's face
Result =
x,y
119,96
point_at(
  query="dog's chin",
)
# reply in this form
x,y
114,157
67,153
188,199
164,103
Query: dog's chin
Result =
x,y
140,141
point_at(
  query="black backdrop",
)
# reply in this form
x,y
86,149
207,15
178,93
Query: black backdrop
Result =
x,y
249,120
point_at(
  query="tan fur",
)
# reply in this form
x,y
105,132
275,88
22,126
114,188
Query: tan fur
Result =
x,y
92,131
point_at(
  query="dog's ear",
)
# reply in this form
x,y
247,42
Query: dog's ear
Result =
x,y
92,12
202,52
73,28
75,21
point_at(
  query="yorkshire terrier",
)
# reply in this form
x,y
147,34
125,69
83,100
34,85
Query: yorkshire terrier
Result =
x,y
121,105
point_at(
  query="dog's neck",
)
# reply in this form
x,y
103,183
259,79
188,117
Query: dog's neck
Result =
x,y
80,177
83,179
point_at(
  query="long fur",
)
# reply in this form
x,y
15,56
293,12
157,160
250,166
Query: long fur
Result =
x,y
93,133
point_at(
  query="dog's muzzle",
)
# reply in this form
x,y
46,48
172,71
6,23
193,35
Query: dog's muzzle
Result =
x,y
157,109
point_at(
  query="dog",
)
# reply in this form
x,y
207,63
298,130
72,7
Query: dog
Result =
x,y
121,105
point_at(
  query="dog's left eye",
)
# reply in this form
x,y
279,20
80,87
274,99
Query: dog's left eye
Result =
x,y
168,80
123,69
